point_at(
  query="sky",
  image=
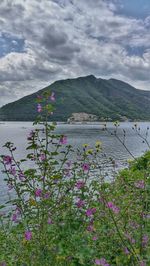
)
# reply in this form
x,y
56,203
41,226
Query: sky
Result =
x,y
46,40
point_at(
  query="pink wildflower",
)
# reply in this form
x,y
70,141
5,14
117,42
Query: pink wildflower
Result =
x,y
80,203
129,237
49,221
12,171
90,212
38,192
7,160
142,263
111,206
69,163
90,228
145,240
39,97
140,184
42,157
3,263
80,184
28,235
10,186
85,167
95,238
47,195
15,217
21,176
39,108
101,262
52,97
126,251
116,209
63,140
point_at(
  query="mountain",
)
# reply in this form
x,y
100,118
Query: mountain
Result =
x,y
108,99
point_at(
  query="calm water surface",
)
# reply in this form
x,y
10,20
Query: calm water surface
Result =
x,y
77,135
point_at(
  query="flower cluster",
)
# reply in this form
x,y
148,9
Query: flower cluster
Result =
x,y
113,207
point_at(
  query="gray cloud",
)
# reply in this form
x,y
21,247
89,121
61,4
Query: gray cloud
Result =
x,y
52,37
69,38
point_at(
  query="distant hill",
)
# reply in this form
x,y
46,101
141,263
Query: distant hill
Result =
x,y
108,99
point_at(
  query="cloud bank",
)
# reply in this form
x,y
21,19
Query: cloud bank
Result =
x,y
46,40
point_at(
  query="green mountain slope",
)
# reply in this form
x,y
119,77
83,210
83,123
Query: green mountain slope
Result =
x,y
105,98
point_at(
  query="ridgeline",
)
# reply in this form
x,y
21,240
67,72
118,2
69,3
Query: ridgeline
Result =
x,y
108,99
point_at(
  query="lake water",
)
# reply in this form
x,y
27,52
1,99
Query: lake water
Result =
x,y
77,135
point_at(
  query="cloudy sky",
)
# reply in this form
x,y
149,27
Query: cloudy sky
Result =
x,y
45,40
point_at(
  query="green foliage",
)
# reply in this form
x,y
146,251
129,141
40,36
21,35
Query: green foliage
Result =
x,y
108,99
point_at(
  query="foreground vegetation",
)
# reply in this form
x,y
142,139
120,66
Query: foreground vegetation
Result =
x,y
64,212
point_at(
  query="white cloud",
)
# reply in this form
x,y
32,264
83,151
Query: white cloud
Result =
x,y
69,38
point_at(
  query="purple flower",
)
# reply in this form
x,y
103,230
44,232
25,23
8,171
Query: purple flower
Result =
x,y
49,221
98,262
90,212
90,228
3,263
85,167
16,214
140,184
142,263
18,210
52,97
21,176
39,108
126,251
129,237
69,163
63,140
15,217
47,195
42,157
28,235
10,186
39,97
80,203
7,160
12,171
113,207
101,262
145,240
116,209
94,238
80,184
38,192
